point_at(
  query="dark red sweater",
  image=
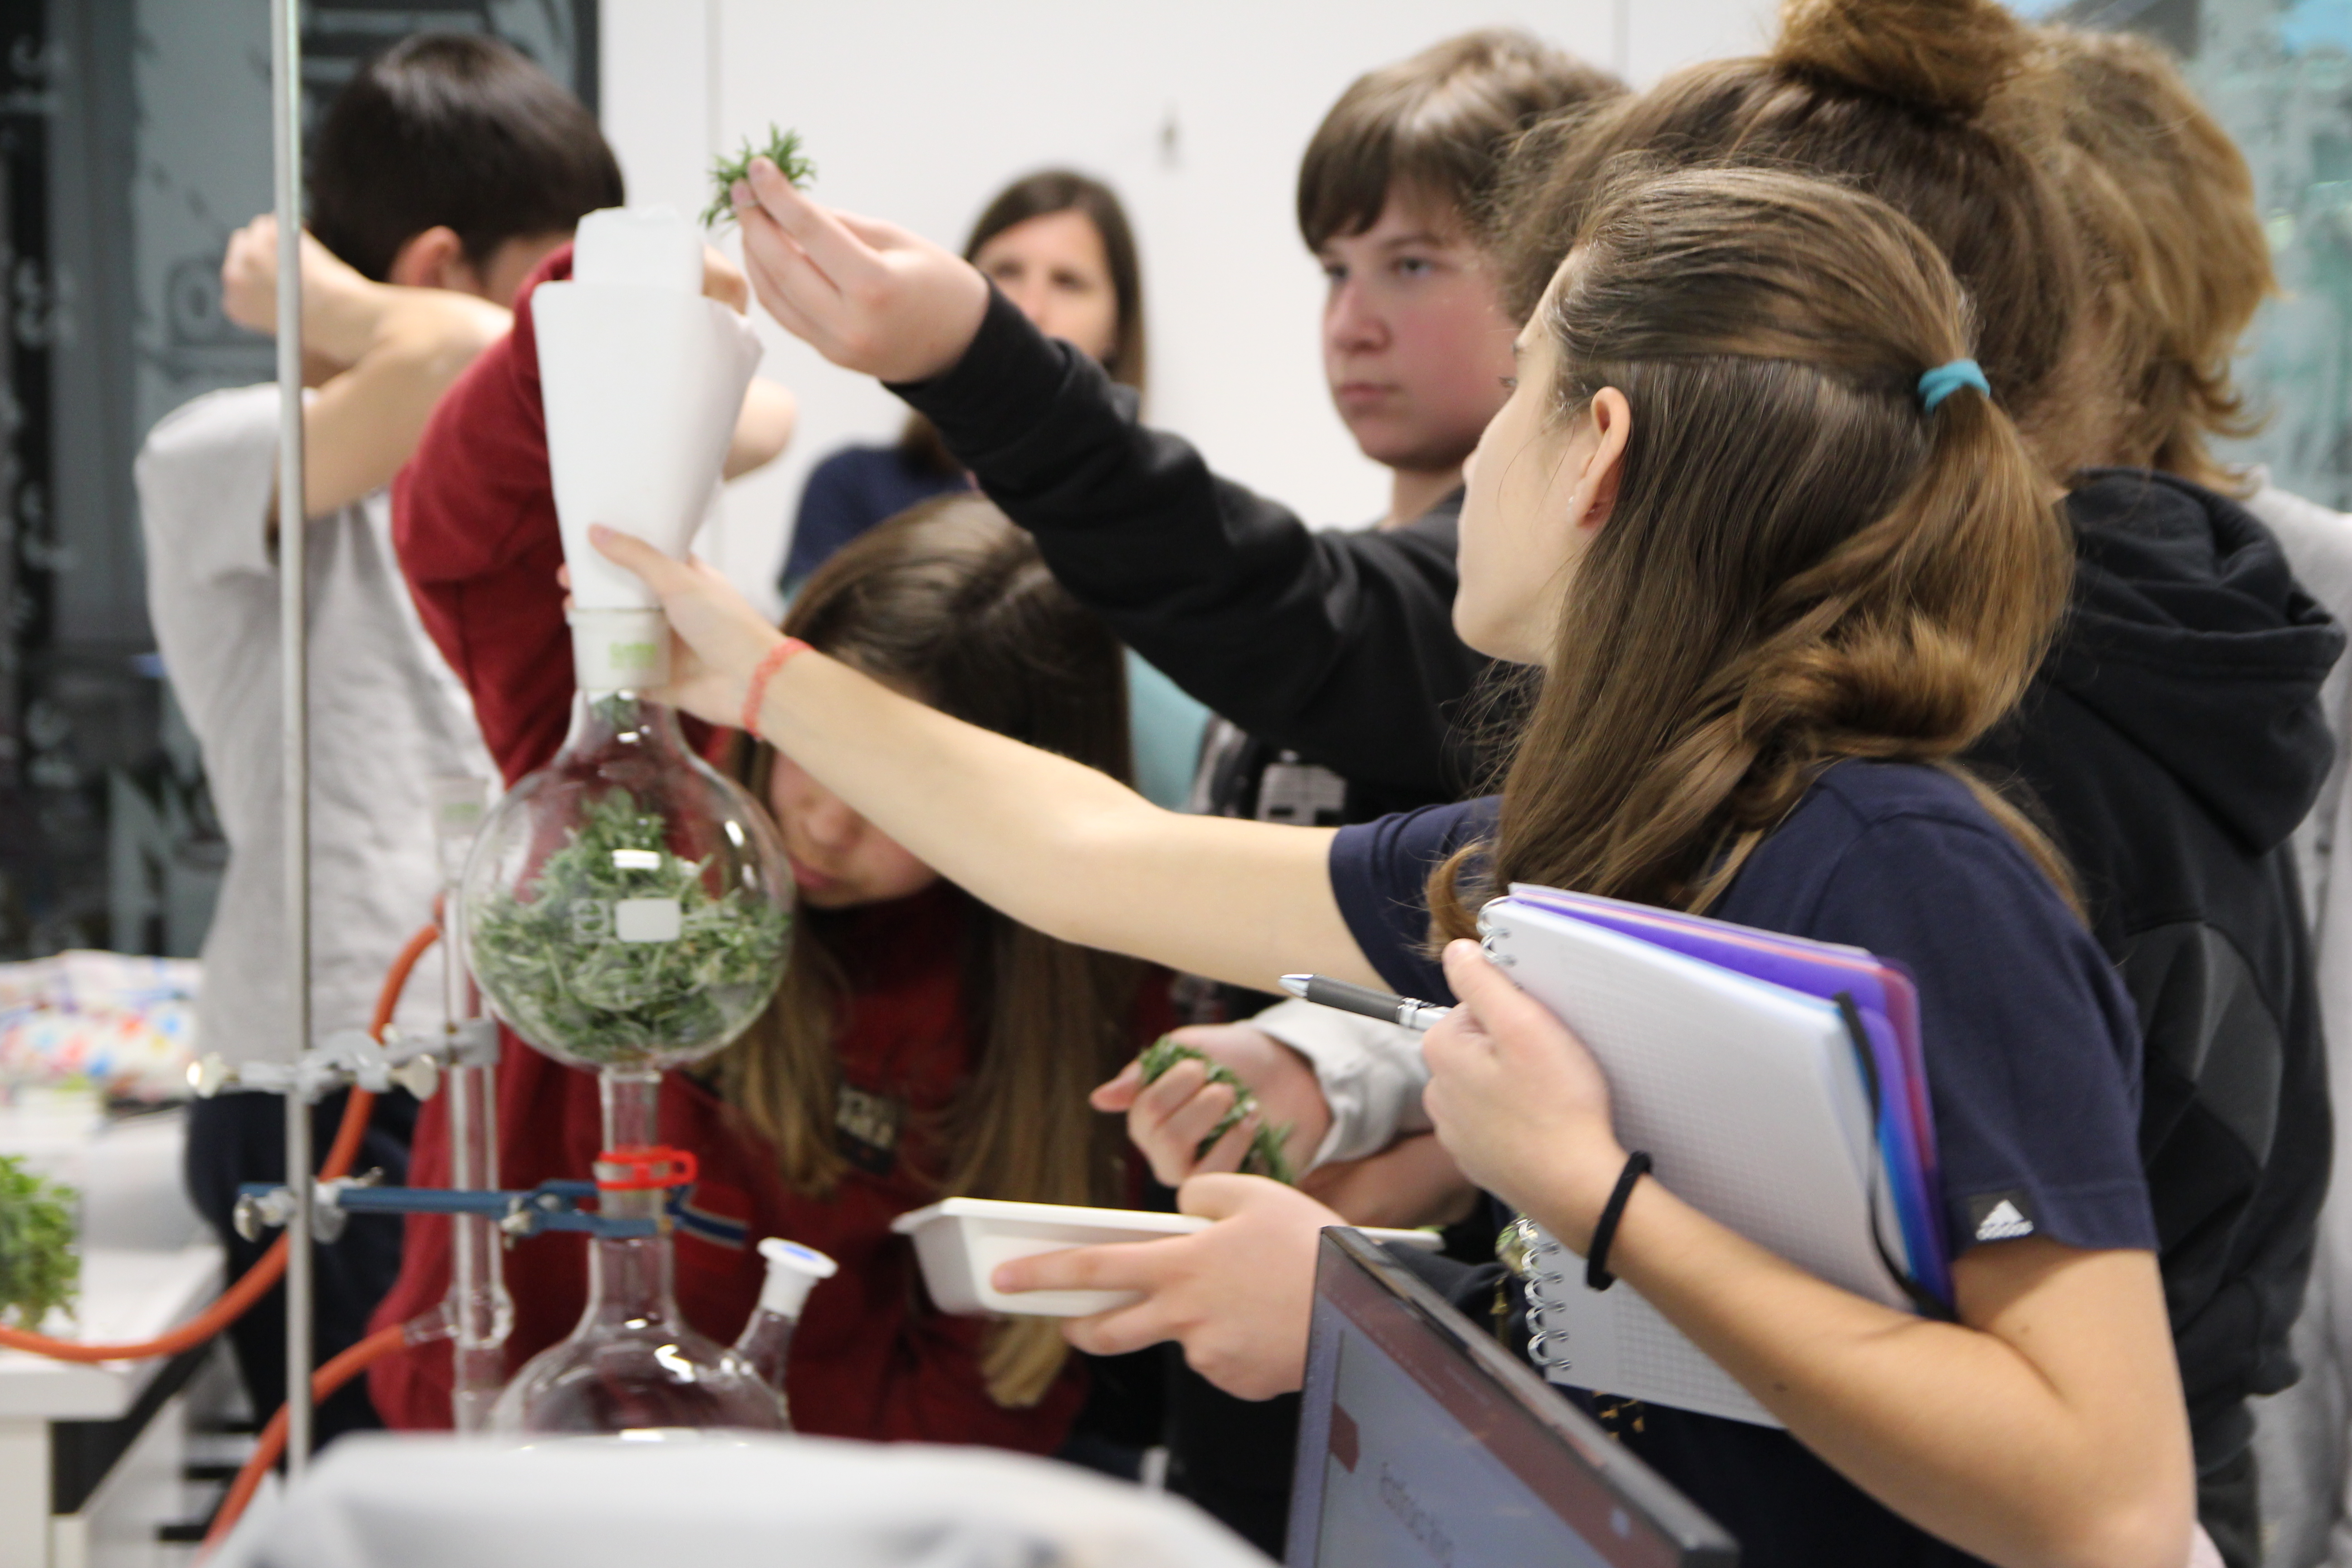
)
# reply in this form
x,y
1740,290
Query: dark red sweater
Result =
x,y
475,521
871,1359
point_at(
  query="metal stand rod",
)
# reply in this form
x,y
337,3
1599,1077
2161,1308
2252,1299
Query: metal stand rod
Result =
x,y
293,584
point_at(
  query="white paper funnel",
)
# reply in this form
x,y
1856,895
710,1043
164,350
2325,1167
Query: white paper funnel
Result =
x,y
641,379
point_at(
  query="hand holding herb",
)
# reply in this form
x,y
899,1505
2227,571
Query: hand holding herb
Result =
x,y
39,1269
784,150
1267,1155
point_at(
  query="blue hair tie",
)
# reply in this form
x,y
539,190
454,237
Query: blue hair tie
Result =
x,y
1946,379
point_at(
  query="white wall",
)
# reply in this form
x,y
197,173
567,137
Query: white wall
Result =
x,y
916,111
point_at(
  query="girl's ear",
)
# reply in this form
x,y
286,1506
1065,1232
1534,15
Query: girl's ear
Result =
x,y
1612,425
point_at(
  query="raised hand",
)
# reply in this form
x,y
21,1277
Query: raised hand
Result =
x,y
867,295
329,287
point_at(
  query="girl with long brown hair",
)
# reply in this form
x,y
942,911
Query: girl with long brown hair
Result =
x,y
1782,559
949,602
920,1045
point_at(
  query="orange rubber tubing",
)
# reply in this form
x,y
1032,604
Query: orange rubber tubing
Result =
x,y
323,1383
256,1281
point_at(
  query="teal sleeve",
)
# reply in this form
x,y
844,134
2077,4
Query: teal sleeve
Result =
x,y
1166,728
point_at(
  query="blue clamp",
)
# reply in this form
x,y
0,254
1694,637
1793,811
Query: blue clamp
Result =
x,y
551,1205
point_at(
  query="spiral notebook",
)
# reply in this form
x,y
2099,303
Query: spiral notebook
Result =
x,y
1888,1005
1757,1108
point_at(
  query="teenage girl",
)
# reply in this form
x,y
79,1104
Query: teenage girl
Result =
x,y
920,1044
1782,557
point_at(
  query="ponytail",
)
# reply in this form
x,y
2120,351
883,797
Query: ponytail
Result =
x,y
1910,101
1948,57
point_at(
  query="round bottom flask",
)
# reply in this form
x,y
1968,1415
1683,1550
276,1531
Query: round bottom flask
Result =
x,y
633,1364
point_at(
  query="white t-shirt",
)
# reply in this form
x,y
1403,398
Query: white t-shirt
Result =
x,y
2318,544
387,718
2303,1437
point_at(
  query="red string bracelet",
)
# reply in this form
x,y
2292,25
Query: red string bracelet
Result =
x,y
767,667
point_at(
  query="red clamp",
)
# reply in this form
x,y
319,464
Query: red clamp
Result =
x,y
645,1168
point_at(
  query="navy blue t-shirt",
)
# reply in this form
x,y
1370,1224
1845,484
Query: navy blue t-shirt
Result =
x,y
848,493
2032,1054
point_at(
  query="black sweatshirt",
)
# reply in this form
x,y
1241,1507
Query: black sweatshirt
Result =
x,y
2175,740
1338,646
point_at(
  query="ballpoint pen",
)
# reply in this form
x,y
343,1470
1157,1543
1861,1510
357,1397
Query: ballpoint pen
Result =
x,y
1325,992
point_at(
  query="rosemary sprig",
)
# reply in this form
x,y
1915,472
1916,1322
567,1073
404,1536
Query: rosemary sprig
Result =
x,y
39,1268
559,972
784,150
1266,1156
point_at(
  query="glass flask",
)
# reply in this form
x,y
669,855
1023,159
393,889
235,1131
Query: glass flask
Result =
x,y
626,910
766,1341
626,907
632,1364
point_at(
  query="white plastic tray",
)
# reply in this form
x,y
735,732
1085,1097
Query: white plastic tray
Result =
x,y
960,1241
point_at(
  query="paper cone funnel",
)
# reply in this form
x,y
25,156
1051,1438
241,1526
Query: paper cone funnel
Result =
x,y
642,386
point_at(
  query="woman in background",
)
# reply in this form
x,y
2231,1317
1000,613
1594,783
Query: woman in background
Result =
x,y
1059,246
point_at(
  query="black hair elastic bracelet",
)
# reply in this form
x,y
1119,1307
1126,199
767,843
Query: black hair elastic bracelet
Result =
x,y
1596,1259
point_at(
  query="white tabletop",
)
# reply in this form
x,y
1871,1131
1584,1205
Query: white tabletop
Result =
x,y
125,1295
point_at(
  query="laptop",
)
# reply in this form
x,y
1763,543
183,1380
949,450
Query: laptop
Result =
x,y
1423,1441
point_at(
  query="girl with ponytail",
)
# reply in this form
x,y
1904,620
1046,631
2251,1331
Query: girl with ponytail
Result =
x,y
2104,229
1780,559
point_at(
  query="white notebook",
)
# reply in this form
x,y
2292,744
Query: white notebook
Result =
x,y
1749,1100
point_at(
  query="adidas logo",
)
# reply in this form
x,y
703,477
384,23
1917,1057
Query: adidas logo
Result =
x,y
2004,1223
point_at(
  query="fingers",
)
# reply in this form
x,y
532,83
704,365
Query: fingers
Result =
x,y
723,281
1470,971
1123,1330
662,574
794,290
1184,1123
1184,1105
1118,1093
877,234
1229,1151
1117,1266
1512,1021
845,257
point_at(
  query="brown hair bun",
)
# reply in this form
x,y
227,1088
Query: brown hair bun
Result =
x,y
1949,56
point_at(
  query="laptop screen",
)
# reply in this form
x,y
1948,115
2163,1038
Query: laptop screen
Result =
x,y
1422,1442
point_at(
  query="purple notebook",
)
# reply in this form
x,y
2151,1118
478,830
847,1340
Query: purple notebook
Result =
x,y
1883,995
